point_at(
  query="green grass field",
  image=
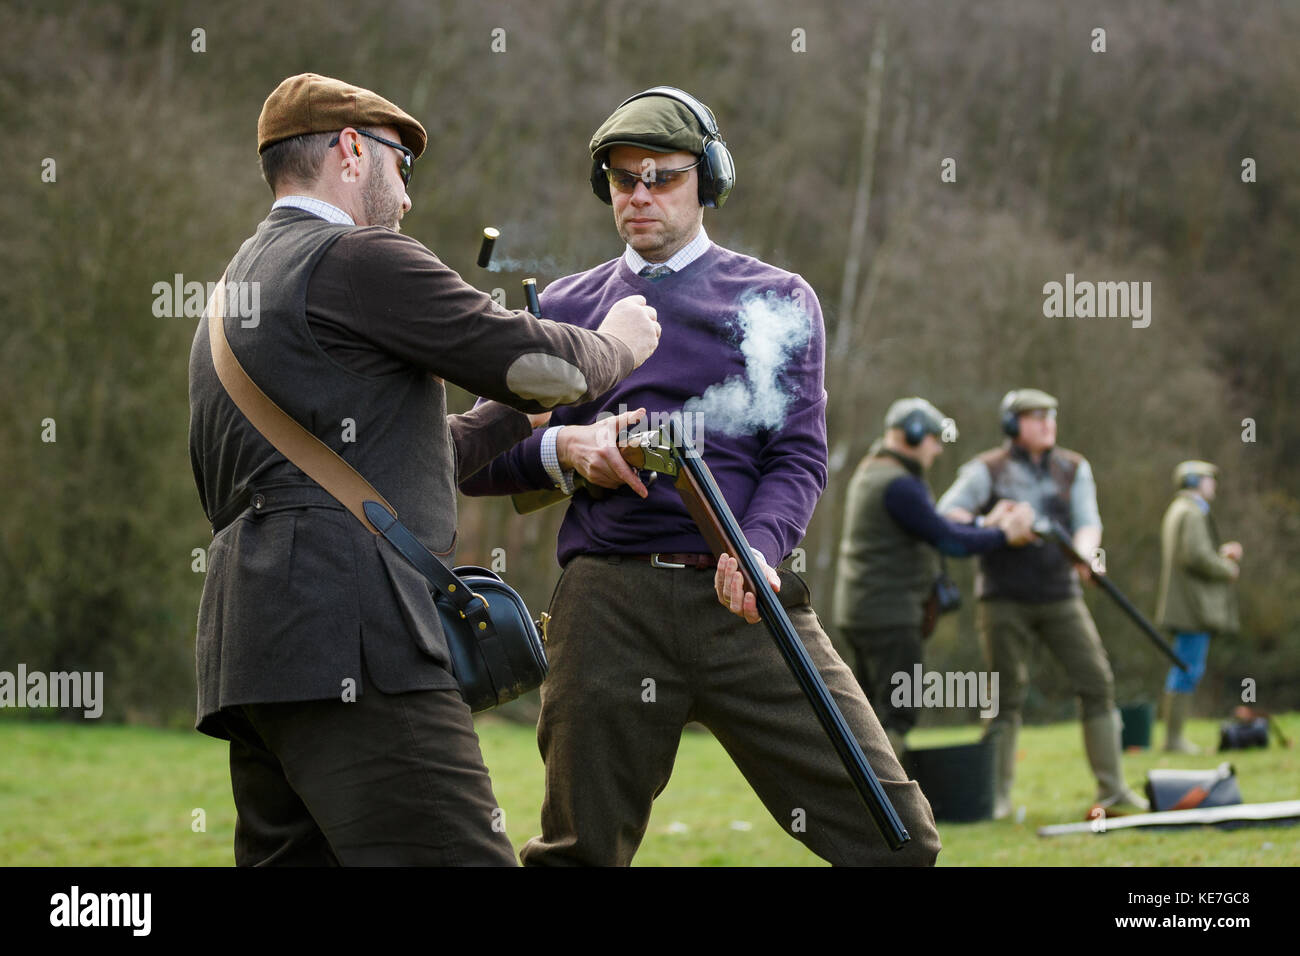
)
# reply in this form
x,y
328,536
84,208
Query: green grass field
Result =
x,y
114,795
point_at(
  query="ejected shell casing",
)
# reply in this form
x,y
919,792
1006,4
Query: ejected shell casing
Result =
x,y
490,236
530,295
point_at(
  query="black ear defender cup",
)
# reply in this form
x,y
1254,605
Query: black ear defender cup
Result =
x,y
916,418
914,426
1010,419
1188,474
717,170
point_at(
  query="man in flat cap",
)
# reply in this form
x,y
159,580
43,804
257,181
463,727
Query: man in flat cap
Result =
x,y
319,650
1197,599
886,586
1033,595
682,645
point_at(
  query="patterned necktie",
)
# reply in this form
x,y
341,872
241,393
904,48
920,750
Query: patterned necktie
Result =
x,y
655,272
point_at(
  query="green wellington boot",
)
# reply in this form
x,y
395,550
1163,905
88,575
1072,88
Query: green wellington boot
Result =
x,y
1101,741
1006,733
1176,707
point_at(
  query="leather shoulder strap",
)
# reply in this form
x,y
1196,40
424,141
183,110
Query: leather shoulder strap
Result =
x,y
320,462
324,466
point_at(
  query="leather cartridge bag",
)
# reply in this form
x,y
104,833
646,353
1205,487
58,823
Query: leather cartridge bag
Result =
x,y
496,651
1192,789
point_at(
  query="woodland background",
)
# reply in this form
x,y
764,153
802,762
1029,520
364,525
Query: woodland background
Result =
x,y
1123,165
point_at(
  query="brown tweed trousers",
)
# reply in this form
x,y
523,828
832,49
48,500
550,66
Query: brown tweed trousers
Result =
x,y
636,652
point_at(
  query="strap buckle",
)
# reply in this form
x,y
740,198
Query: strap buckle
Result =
x,y
475,594
656,563
481,617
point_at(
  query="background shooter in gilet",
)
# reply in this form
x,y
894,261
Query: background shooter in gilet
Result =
x,y
319,650
889,554
1033,595
623,681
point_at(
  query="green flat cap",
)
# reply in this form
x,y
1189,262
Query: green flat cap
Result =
x,y
659,123
932,418
1026,400
1194,468
311,103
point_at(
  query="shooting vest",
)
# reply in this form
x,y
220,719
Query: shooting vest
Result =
x,y
885,574
1035,573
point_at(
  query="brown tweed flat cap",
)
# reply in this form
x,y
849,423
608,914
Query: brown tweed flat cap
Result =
x,y
311,103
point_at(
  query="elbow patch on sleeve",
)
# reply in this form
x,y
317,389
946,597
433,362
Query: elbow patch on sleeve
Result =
x,y
546,379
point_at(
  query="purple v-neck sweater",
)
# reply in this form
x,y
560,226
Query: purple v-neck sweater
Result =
x,y
771,471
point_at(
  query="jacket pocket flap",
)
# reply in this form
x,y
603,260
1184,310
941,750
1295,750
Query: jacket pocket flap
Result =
x,y
416,602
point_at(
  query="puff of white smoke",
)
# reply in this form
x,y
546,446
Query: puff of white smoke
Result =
x,y
772,329
547,265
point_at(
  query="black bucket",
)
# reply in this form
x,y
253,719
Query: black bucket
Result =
x,y
1137,720
958,780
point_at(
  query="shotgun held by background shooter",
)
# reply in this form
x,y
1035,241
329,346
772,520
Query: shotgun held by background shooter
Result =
x,y
1050,529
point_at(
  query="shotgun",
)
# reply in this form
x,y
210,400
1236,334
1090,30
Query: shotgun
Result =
x,y
1049,528
645,451
668,451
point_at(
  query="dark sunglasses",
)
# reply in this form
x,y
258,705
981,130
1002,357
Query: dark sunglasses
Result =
x,y
408,157
625,181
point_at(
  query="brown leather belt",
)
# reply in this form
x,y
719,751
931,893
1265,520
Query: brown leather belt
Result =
x,y
661,560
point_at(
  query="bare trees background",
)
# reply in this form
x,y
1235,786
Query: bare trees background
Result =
x,y
1122,165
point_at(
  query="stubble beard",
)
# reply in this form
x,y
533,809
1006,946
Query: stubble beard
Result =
x,y
382,206
645,245
662,244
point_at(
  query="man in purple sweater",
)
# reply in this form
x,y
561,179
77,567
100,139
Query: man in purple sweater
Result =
x,y
741,356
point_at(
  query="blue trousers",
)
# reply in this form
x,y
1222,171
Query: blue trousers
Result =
x,y
1193,647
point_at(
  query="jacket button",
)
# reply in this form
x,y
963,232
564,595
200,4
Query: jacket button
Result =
x,y
258,501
